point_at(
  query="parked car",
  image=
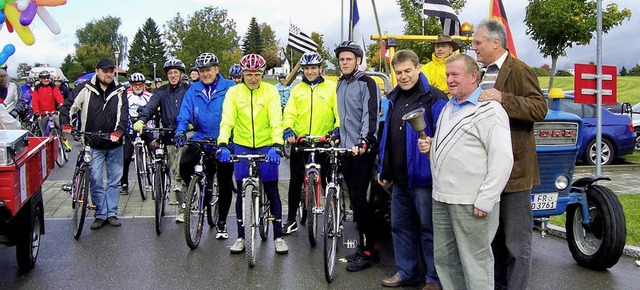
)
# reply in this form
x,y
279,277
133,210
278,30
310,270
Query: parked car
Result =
x,y
618,137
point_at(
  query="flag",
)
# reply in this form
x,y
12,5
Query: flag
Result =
x,y
496,12
299,40
355,32
443,10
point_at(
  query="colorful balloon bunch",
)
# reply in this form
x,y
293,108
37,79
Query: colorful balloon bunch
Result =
x,y
19,14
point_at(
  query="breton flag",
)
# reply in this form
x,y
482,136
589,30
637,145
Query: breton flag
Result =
x,y
355,32
301,41
496,12
448,17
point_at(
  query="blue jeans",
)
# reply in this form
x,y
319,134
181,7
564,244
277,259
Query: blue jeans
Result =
x,y
106,200
412,229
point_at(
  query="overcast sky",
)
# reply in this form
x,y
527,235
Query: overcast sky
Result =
x,y
620,46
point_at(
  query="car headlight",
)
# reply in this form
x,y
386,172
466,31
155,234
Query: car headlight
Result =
x,y
562,182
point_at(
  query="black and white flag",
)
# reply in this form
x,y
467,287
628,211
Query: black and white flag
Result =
x,y
301,41
443,10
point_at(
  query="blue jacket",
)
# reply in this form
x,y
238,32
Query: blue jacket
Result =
x,y
204,113
419,167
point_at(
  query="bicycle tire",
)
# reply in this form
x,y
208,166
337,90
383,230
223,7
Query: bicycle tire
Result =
x,y
264,215
249,222
167,188
141,171
61,160
193,214
312,218
212,205
331,233
80,199
159,194
302,208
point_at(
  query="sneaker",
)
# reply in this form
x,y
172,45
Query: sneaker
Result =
x,y
374,255
180,218
238,246
281,246
113,221
360,263
98,223
221,231
289,227
124,189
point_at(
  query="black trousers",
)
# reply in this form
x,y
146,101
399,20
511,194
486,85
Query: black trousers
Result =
x,y
357,172
128,152
296,169
224,172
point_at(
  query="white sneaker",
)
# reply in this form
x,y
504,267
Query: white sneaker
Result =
x,y
281,246
180,218
238,246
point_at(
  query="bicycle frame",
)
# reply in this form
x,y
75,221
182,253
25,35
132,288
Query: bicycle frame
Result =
x,y
311,167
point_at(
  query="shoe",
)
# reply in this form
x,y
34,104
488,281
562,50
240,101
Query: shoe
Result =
x,y
395,281
124,189
113,221
432,286
97,223
281,246
289,227
351,257
361,261
180,218
238,246
374,254
221,231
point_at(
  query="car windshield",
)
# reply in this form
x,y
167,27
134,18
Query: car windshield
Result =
x,y
636,108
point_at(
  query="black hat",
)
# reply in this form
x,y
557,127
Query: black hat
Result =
x,y
105,63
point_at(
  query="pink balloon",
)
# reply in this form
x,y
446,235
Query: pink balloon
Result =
x,y
26,17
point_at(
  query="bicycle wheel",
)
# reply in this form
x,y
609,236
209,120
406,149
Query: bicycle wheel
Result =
x,y
80,200
62,158
159,187
194,214
249,215
211,203
264,215
141,171
302,208
312,218
331,233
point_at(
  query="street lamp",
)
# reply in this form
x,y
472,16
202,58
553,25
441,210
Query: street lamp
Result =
x,y
117,54
154,71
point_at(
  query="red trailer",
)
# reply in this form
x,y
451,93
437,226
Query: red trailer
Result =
x,y
21,206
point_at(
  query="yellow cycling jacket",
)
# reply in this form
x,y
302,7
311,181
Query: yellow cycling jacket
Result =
x,y
254,116
312,111
435,72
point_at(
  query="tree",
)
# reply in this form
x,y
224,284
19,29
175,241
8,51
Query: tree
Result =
x,y
104,32
560,24
71,68
634,71
147,48
208,30
623,71
270,45
23,69
252,42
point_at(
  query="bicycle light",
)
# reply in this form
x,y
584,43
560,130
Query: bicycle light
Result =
x,y
561,183
198,168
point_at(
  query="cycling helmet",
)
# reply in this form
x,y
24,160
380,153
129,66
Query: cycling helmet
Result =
x,y
136,78
173,63
44,74
157,80
206,59
253,62
282,76
351,46
310,58
235,70
4,66
193,68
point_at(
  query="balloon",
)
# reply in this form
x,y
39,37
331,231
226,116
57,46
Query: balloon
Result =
x,y
50,2
6,52
27,14
22,4
24,32
2,17
48,20
9,27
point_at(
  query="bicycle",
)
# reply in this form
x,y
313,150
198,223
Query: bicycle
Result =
x,y
80,186
161,177
52,130
312,186
255,205
143,160
335,213
201,196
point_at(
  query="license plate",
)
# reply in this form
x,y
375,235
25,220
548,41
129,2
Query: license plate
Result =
x,y
544,201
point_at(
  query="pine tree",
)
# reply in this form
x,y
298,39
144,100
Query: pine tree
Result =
x,y
147,48
251,42
623,71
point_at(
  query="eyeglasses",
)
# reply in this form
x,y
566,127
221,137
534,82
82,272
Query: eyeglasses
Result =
x,y
137,85
252,75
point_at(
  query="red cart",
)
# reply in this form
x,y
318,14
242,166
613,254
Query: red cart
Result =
x,y
21,206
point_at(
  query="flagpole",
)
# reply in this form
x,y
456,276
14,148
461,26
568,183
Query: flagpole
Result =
x,y
342,21
293,73
375,14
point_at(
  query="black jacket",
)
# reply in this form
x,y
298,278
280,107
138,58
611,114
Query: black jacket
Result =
x,y
168,99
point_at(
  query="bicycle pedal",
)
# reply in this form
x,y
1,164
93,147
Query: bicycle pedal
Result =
x,y
351,244
67,187
271,218
318,209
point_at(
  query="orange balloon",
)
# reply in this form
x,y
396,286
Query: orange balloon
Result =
x,y
50,2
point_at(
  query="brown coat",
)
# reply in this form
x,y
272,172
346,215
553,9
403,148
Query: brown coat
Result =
x,y
524,103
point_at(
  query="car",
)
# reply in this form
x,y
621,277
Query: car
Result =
x,y
618,136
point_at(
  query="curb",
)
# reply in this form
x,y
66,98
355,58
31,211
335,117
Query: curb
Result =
x,y
629,250
608,168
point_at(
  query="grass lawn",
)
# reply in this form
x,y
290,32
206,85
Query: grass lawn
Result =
x,y
631,206
627,87
634,157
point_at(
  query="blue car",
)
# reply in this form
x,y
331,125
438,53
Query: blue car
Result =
x,y
618,137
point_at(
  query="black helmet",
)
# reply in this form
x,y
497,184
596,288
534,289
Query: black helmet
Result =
x,y
351,46
206,59
44,74
193,68
157,80
173,63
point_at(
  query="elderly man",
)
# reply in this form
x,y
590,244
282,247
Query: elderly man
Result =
x,y
472,143
511,82
402,163
104,108
434,70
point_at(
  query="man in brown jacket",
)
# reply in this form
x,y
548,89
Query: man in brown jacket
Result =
x,y
512,83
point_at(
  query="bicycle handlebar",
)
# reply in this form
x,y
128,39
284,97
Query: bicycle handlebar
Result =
x,y
250,157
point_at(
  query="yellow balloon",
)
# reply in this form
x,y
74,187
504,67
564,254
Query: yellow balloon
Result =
x,y
13,16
